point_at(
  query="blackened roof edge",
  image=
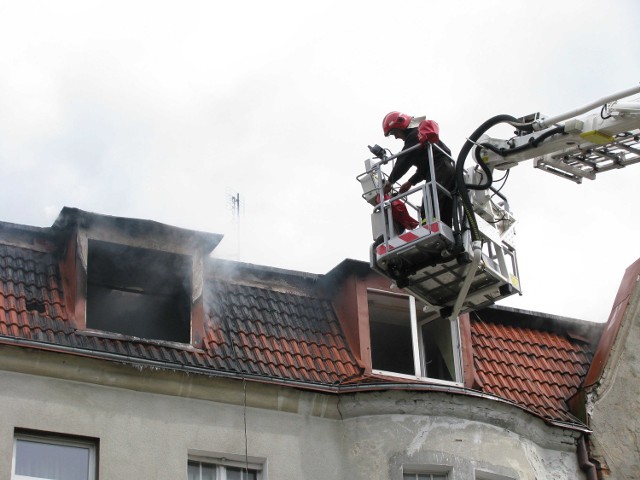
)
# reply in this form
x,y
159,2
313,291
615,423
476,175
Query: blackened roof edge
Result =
x,y
578,329
71,218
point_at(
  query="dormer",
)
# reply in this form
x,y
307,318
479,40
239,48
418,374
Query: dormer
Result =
x,y
133,279
392,335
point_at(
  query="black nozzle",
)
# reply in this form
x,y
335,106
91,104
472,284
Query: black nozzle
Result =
x,y
378,151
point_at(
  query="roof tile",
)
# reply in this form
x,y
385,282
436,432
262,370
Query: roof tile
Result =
x,y
538,369
293,335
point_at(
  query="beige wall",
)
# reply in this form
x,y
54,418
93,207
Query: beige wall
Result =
x,y
148,420
614,403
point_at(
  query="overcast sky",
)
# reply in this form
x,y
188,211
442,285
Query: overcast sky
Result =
x,y
164,110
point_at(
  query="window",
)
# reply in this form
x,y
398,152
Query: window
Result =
x,y
406,341
53,458
139,292
424,476
226,470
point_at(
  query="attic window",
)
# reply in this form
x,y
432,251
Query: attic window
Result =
x,y
405,341
139,292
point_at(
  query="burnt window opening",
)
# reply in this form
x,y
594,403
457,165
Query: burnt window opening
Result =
x,y
405,341
139,292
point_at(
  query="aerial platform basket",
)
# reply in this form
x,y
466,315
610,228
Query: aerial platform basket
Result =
x,y
441,267
450,279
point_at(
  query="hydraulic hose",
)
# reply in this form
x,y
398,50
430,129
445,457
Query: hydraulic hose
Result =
x,y
464,152
485,169
532,143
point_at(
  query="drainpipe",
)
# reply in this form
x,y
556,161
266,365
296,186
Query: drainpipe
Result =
x,y
583,459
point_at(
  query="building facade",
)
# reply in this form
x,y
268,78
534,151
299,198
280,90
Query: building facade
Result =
x,y
126,351
611,389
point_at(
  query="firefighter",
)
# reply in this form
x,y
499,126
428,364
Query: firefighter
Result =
x,y
405,127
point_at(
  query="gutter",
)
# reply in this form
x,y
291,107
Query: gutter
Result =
x,y
585,462
313,386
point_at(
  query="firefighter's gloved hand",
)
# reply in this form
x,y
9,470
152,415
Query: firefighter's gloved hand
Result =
x,y
404,187
387,187
428,131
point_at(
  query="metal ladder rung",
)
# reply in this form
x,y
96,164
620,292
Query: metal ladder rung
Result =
x,y
587,163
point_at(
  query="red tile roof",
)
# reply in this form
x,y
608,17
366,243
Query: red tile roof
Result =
x,y
290,335
283,333
251,330
31,301
537,369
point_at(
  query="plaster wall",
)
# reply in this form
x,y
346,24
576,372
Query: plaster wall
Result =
x,y
149,436
299,435
464,437
614,403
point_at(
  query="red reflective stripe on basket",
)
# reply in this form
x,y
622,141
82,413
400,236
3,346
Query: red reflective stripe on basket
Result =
x,y
408,237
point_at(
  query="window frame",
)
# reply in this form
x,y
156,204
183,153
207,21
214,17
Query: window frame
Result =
x,y
439,470
223,460
417,343
56,439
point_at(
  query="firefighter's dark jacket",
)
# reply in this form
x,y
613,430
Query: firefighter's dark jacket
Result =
x,y
419,158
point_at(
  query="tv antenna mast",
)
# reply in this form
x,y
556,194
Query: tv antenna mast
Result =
x,y
237,209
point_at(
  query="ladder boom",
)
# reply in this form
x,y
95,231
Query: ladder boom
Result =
x,y
472,263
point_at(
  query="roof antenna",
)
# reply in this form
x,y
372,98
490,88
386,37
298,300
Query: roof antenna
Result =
x,y
236,211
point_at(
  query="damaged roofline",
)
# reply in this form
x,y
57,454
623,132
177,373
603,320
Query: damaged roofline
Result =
x,y
70,219
313,386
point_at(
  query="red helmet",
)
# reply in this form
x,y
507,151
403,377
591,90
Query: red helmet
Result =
x,y
395,120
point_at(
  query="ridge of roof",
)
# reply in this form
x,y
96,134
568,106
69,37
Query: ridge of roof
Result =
x,y
71,218
581,330
228,266
283,280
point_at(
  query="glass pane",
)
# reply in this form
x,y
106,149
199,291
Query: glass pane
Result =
x,y
438,354
208,472
390,328
201,471
51,461
193,471
234,473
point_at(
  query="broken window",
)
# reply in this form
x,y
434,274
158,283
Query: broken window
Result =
x,y
404,340
139,292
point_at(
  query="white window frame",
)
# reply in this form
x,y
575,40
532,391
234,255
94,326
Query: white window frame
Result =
x,y
54,439
223,460
418,344
438,470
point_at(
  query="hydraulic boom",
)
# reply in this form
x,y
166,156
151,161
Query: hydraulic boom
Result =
x,y
472,262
